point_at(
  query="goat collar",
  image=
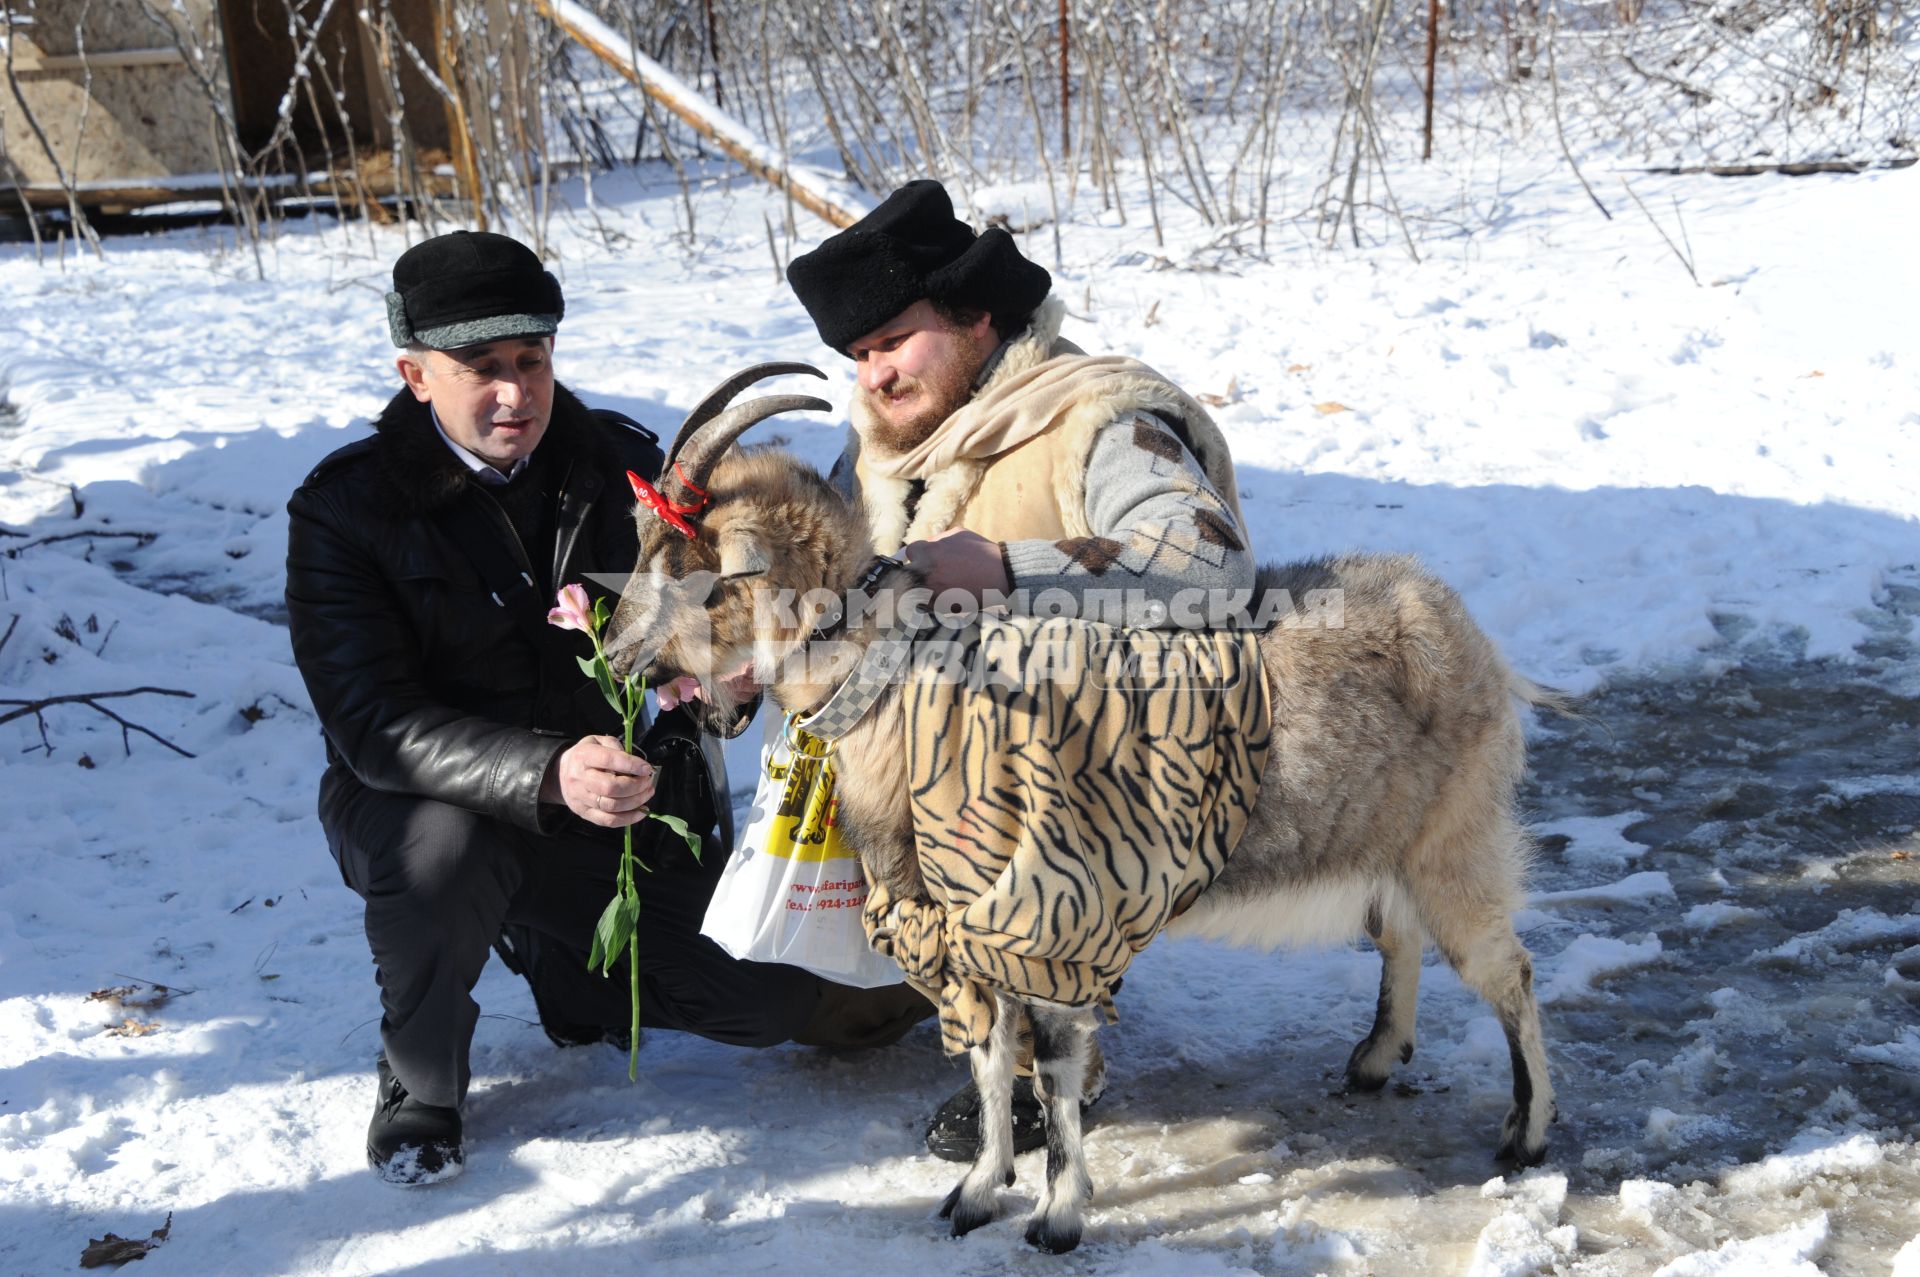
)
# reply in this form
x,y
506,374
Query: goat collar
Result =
x,y
881,565
879,668
670,512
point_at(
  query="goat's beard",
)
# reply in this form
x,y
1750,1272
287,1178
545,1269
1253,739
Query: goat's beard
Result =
x,y
942,393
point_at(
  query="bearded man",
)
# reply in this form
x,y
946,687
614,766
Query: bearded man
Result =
x,y
1009,462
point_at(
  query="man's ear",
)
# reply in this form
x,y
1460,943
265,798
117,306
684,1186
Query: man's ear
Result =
x,y
413,371
743,552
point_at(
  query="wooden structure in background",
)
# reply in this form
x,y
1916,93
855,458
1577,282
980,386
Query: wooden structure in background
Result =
x,y
131,107
112,95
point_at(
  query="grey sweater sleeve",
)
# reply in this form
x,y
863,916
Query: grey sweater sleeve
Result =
x,y
1158,524
842,478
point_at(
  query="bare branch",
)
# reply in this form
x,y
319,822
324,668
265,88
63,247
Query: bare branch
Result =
x,y
99,534
1686,259
91,701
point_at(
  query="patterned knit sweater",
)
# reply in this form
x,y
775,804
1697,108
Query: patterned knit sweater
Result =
x,y
1073,791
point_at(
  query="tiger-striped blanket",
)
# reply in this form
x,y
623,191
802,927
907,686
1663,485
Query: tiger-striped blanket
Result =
x,y
1075,787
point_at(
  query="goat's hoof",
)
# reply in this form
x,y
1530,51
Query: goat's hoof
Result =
x,y
965,1215
1367,1072
968,1218
1052,1238
1514,1155
1008,1180
1359,1083
1518,1151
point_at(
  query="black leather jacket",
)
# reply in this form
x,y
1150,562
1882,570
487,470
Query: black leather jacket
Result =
x,y
421,633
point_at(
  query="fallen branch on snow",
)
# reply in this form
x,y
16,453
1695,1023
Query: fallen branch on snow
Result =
x,y
1686,257
99,534
90,700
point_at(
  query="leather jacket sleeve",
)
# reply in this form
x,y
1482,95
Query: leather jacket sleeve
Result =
x,y
362,667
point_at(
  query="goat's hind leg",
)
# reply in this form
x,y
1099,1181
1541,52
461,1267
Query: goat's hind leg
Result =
x,y
1399,940
1472,923
970,1204
1062,1053
1508,985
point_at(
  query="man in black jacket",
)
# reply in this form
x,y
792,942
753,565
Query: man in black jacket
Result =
x,y
474,780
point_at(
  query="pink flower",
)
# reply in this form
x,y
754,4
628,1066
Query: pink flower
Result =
x,y
573,611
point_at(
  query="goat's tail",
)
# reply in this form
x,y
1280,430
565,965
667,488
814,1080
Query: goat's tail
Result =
x,y
1562,703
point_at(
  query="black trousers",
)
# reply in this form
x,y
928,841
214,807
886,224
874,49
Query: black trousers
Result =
x,y
440,881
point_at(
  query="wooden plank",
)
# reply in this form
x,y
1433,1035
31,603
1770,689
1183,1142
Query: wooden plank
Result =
x,y
100,60
205,187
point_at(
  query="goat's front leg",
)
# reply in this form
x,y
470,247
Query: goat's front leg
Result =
x,y
970,1204
1062,1047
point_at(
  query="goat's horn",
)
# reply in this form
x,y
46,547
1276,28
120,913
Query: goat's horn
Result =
x,y
722,395
699,454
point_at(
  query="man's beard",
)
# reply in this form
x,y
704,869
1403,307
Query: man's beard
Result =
x,y
942,394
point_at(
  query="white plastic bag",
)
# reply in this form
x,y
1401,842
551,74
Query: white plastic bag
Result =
x,y
793,890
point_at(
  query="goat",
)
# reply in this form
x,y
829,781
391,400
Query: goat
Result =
x,y
1385,805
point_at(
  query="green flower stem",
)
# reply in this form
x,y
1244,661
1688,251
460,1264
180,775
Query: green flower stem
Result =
x,y
626,696
629,711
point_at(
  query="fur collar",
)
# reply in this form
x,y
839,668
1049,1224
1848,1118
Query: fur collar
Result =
x,y
1038,343
422,476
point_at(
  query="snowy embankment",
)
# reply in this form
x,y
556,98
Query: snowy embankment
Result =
x,y
1624,473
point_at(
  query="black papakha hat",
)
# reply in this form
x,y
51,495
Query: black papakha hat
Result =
x,y
911,247
468,287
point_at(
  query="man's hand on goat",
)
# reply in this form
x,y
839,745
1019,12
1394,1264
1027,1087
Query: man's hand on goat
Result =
x,y
600,782
960,560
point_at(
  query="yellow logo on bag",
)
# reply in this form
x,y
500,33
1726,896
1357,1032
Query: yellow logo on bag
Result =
x,y
805,826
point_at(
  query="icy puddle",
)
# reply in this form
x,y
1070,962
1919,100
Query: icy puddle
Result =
x,y
1775,1033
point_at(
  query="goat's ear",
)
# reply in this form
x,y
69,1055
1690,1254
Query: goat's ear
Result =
x,y
743,552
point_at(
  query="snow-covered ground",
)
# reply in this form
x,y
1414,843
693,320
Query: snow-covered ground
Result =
x,y
1695,502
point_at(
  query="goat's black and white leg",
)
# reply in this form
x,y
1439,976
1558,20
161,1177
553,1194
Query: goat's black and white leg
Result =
x,y
1473,925
970,1204
1499,968
1507,983
1062,1053
1399,940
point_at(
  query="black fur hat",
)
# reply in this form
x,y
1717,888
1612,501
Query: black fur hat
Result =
x,y
911,247
468,287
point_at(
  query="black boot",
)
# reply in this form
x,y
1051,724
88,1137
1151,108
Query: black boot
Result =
x,y
409,1142
954,1134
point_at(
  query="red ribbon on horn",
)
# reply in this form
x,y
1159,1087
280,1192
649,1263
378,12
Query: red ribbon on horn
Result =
x,y
673,515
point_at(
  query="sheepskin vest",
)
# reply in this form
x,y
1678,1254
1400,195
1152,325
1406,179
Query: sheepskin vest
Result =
x,y
1105,776
1036,489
